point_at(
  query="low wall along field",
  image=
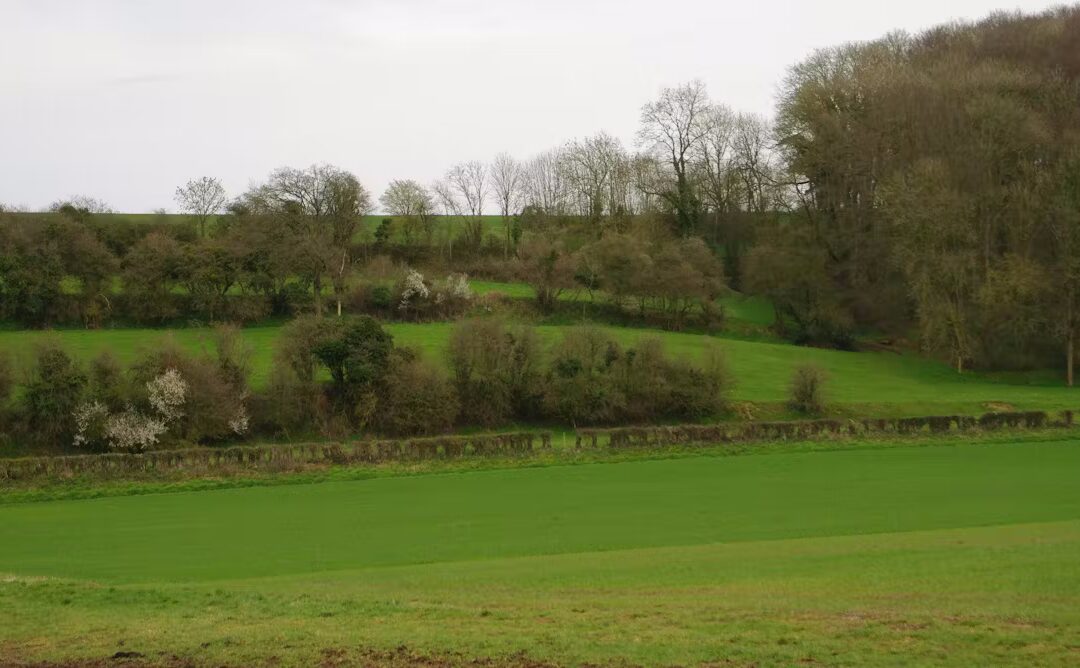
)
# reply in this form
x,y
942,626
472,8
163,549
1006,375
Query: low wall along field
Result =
x,y
292,457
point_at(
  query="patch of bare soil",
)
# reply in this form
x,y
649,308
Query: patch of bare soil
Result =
x,y
401,657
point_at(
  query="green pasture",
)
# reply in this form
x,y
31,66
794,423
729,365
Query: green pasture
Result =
x,y
745,309
934,555
869,383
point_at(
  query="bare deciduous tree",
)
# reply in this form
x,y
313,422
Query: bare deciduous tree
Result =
x,y
202,198
751,146
594,166
672,129
470,181
507,180
545,182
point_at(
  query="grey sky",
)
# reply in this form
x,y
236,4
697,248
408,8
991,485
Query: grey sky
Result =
x,y
125,99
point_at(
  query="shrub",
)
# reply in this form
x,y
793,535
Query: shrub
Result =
x,y
381,297
807,392
297,343
699,392
212,407
354,350
580,388
642,377
124,431
7,378
496,370
233,356
420,299
592,380
381,268
292,404
106,382
54,390
416,398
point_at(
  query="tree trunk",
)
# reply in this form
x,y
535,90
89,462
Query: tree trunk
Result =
x,y
317,286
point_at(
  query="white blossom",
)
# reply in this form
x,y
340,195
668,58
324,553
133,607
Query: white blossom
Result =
x,y
414,287
167,394
88,417
240,422
457,285
132,431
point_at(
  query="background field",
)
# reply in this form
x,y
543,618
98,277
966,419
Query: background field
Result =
x,y
967,554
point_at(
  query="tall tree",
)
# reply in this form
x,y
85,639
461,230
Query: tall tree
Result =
x,y
672,129
411,201
323,205
469,181
594,167
545,182
202,198
507,181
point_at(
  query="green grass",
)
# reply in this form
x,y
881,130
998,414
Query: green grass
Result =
x,y
868,383
739,308
962,555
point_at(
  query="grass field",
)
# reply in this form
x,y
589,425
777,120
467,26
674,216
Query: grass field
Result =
x,y
869,383
960,554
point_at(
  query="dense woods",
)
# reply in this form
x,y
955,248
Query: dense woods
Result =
x,y
936,179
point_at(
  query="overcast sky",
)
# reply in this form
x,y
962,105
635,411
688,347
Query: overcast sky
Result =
x,y
125,99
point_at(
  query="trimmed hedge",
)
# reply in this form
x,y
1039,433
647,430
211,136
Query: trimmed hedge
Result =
x,y
802,429
274,457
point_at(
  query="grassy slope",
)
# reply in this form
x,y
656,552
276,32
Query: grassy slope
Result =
x,y
964,555
869,383
745,310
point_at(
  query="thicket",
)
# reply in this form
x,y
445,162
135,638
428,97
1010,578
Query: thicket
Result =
x,y
343,377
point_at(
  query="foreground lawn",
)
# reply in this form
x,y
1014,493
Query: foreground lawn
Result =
x,y
868,383
962,555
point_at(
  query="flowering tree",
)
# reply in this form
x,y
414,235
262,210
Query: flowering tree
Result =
x,y
413,289
167,393
131,430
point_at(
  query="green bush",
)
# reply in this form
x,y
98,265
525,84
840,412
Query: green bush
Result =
x,y
7,378
416,399
807,392
497,369
592,380
580,386
699,391
107,383
53,391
